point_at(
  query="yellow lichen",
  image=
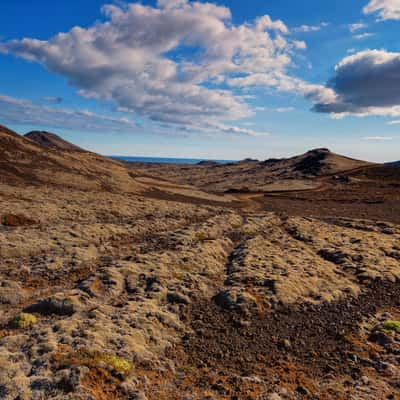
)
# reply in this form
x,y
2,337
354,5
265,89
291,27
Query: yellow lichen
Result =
x,y
97,359
119,364
23,320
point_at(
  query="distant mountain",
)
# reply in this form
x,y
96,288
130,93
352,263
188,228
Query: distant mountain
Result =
x,y
51,140
393,163
298,172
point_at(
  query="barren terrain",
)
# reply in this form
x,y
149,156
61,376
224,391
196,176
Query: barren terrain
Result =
x,y
130,282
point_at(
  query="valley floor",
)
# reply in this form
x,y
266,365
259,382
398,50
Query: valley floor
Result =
x,y
108,295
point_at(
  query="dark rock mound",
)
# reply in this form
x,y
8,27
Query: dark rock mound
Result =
x,y
51,140
271,161
249,160
207,163
312,164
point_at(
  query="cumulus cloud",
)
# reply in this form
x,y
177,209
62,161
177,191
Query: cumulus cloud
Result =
x,y
365,83
24,112
284,83
131,59
386,9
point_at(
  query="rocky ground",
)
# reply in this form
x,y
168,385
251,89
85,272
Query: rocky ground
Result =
x,y
109,296
168,292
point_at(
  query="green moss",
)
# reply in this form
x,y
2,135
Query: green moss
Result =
x,y
392,326
23,320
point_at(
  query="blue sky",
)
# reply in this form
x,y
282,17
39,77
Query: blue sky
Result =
x,y
225,80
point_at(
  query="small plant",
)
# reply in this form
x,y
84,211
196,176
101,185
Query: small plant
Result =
x,y
392,326
96,359
23,320
118,364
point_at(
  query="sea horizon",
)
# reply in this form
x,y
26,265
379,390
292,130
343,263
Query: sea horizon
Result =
x,y
168,160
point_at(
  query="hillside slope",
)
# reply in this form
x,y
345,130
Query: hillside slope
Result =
x,y
51,140
25,161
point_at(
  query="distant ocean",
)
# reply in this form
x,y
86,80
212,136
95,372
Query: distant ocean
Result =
x,y
168,160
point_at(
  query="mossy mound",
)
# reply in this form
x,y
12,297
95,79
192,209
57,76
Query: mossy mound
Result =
x,y
23,320
393,326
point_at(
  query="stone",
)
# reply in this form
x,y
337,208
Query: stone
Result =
x,y
235,299
177,298
57,304
380,338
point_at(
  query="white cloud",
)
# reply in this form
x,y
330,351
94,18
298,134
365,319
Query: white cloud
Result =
x,y
52,99
365,83
357,26
299,44
310,28
129,60
284,83
378,138
277,109
395,122
284,109
386,9
24,112
363,35
235,130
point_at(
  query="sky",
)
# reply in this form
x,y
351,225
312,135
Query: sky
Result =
x,y
217,80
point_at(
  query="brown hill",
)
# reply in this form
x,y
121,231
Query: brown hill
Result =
x,y
25,161
51,140
294,173
316,162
